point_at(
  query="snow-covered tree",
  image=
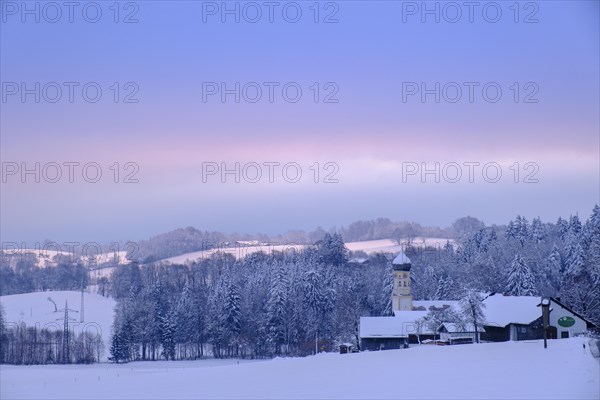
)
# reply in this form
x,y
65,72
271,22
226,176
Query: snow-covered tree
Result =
x,y
521,281
233,315
387,292
538,233
3,340
437,316
168,331
471,306
522,230
332,250
277,308
511,230
575,261
446,289
563,227
553,269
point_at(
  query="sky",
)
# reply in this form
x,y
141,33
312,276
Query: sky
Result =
x,y
322,112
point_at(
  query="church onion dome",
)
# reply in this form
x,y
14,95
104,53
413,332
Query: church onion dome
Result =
x,y
401,262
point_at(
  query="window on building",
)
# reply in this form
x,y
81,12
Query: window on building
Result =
x,y
564,335
523,329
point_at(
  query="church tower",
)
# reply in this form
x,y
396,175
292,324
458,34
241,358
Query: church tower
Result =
x,y
401,297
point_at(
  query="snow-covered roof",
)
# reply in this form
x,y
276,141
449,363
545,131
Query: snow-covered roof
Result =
x,y
358,260
456,328
502,310
499,311
406,322
401,258
381,327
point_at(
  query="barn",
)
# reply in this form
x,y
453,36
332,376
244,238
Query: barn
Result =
x,y
382,333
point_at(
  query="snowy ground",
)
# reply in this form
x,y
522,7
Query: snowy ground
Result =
x,y
34,309
510,370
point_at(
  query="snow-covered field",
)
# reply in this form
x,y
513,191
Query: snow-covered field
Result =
x,y
236,251
46,257
512,370
368,246
34,309
389,246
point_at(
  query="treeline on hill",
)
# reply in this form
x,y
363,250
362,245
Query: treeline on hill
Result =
x,y
188,240
285,304
23,276
28,345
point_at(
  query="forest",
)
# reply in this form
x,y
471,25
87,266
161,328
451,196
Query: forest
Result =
x,y
299,301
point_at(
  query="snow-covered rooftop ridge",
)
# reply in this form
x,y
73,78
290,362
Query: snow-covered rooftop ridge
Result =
x,y
384,327
401,258
499,310
459,328
502,310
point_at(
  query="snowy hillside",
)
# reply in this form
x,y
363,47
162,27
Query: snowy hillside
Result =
x,y
34,309
389,246
46,257
511,370
368,246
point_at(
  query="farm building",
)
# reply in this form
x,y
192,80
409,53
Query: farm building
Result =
x,y
520,318
506,318
451,333
382,333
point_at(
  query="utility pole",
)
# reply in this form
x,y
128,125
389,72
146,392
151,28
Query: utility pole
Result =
x,y
66,319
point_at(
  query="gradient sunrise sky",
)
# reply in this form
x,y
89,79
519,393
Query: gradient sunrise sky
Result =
x,y
369,133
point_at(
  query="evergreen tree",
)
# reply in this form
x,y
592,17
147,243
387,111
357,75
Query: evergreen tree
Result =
x,y
233,314
445,288
521,281
277,308
594,259
592,229
522,230
575,261
563,228
388,289
168,331
553,268
3,339
574,224
538,233
511,230
332,250
118,349
216,326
